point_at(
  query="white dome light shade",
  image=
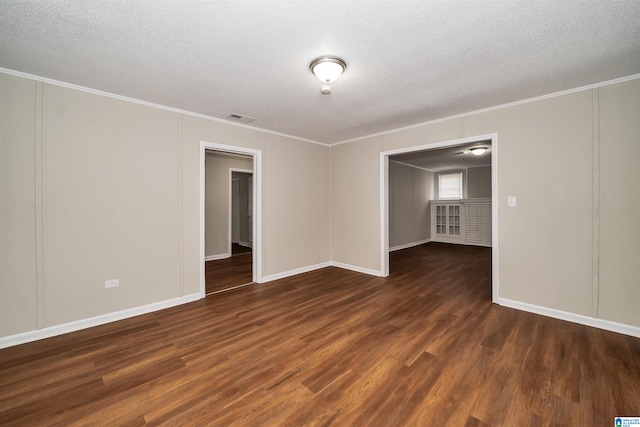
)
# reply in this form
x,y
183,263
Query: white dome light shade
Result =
x,y
327,68
478,151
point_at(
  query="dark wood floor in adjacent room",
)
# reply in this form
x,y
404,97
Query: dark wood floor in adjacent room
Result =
x,y
423,347
223,274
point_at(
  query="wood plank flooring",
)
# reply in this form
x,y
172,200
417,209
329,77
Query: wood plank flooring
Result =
x,y
423,347
230,272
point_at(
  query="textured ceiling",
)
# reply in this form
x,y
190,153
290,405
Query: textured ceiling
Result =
x,y
408,61
449,158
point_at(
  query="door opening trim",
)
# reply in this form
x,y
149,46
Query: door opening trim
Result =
x,y
257,205
384,201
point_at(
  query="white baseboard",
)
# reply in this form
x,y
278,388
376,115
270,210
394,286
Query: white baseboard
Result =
x,y
52,331
245,244
216,257
77,325
308,268
356,268
409,245
607,325
293,272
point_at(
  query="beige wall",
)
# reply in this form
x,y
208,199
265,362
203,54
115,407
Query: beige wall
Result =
x,y
410,189
283,205
96,198
110,200
479,182
119,198
195,130
296,205
355,208
217,167
545,159
619,250
96,188
18,261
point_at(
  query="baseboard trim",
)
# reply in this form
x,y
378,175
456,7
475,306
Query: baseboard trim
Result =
x,y
289,273
607,325
308,268
409,245
52,331
216,257
356,268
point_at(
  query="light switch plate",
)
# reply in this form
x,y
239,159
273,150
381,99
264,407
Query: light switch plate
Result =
x,y
511,201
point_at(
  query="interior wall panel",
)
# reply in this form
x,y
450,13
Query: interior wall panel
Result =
x,y
355,203
18,292
295,202
619,234
110,204
545,160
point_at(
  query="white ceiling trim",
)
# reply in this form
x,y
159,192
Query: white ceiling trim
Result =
x,y
410,165
150,104
408,62
241,125
497,107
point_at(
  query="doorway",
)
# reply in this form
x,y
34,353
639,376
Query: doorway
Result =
x,y
216,231
492,140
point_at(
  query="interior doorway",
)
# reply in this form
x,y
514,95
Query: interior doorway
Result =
x,y
222,168
452,147
228,178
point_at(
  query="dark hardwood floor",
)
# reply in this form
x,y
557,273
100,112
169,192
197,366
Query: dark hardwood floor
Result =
x,y
423,347
238,249
230,272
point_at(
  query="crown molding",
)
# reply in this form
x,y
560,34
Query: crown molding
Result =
x,y
151,104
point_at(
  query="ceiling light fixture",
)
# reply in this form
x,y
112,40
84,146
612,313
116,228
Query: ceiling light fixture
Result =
x,y
327,69
478,151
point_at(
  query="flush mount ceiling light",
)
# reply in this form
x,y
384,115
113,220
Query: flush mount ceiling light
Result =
x,y
478,151
327,69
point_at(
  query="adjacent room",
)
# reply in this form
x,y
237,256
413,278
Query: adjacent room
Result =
x,y
228,221
320,213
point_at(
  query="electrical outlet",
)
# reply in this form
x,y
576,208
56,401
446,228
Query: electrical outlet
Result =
x,y
112,283
511,201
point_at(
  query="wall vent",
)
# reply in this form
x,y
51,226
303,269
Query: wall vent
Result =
x,y
240,118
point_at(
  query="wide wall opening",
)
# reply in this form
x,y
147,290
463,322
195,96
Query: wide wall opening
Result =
x,y
440,193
